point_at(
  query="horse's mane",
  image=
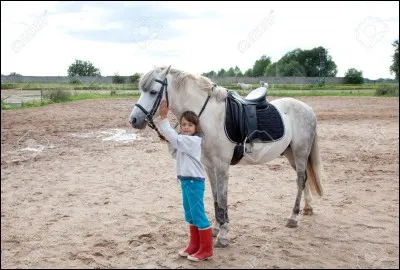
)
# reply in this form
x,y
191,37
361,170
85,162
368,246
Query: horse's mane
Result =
x,y
181,78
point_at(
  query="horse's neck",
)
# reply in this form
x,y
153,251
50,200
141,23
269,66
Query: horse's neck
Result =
x,y
187,101
212,118
189,104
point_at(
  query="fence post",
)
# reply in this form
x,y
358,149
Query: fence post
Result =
x,y
41,96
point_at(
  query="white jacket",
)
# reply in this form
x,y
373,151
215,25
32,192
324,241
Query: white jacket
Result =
x,y
186,150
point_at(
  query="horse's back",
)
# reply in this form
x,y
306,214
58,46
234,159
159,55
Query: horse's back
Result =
x,y
294,112
299,118
295,106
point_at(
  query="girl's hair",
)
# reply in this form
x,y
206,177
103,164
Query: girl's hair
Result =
x,y
192,118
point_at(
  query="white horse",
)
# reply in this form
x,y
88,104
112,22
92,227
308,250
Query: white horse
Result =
x,y
263,84
299,142
245,86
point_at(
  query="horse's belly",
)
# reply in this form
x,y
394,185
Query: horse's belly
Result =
x,y
261,153
264,152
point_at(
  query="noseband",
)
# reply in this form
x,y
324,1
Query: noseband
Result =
x,y
150,115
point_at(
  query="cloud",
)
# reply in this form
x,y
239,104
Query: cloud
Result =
x,y
128,37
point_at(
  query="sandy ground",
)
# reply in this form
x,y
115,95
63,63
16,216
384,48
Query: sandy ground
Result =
x,y
78,192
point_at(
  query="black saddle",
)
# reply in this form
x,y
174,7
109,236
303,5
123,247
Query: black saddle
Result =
x,y
251,119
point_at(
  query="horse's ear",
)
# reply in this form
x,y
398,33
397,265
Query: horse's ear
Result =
x,y
166,71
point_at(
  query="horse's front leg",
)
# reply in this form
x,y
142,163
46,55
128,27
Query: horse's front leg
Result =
x,y
215,225
222,209
218,176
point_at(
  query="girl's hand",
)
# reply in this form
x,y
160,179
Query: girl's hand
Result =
x,y
163,109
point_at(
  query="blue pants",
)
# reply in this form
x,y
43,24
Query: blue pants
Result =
x,y
193,203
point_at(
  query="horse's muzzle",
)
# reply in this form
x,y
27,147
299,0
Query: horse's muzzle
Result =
x,y
137,124
132,122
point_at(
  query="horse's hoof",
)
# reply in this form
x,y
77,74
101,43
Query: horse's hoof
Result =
x,y
215,231
307,211
291,223
221,243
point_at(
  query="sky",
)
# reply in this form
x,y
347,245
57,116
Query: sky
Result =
x,y
44,38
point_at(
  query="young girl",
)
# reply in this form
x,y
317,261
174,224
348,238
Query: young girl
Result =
x,y
186,149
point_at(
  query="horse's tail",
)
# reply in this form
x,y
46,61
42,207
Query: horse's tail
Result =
x,y
314,169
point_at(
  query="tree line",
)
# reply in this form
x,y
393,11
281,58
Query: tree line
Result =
x,y
315,62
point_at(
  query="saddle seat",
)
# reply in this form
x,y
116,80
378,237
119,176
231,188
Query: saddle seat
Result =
x,y
254,97
251,118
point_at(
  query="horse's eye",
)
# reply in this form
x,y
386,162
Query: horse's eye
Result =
x,y
153,92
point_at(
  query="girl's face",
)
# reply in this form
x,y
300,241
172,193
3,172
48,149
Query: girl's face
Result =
x,y
187,128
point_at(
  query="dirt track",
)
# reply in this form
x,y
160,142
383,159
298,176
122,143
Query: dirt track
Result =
x,y
78,201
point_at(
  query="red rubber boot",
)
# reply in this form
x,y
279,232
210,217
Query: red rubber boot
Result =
x,y
194,242
205,251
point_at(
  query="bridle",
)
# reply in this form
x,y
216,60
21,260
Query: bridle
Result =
x,y
150,115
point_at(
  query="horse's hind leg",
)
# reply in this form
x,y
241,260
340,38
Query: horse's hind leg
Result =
x,y
301,179
300,162
307,210
301,143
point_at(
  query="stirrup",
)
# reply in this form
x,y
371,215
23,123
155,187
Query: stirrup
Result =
x,y
249,150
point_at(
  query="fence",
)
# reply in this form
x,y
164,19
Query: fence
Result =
x,y
16,97
277,80
218,80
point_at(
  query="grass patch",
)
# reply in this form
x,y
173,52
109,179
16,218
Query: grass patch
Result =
x,y
297,93
135,94
323,87
56,95
23,105
301,87
69,98
324,93
68,86
84,96
391,90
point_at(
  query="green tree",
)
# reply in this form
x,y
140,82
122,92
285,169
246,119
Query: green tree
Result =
x,y
14,74
394,68
293,69
210,74
230,73
248,73
83,68
272,70
135,78
221,73
238,72
309,60
118,79
353,76
260,66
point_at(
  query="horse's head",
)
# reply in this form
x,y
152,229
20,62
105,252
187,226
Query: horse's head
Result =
x,y
153,89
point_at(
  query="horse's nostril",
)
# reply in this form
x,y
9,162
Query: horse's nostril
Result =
x,y
134,120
